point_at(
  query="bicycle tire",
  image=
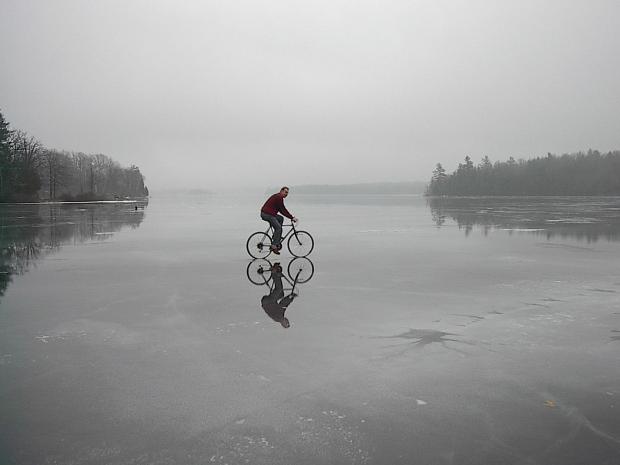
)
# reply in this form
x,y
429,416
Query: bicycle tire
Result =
x,y
301,268
258,271
300,244
259,245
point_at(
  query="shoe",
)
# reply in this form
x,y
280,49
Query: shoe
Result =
x,y
275,249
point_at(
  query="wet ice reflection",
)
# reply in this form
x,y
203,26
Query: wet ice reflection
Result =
x,y
29,232
165,343
583,218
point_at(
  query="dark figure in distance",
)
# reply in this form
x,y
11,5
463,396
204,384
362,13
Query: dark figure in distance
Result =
x,y
275,303
269,213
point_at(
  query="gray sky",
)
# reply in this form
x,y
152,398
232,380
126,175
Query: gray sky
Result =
x,y
209,93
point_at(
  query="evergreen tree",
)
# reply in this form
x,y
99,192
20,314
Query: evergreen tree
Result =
x,y
438,180
591,173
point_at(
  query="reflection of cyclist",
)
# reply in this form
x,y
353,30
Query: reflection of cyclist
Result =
x,y
275,303
269,213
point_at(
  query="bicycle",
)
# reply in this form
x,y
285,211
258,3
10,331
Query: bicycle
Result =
x,y
300,243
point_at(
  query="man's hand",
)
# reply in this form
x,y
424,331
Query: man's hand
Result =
x,y
295,220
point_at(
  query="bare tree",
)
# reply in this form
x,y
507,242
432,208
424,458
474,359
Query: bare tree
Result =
x,y
26,151
81,165
56,169
5,156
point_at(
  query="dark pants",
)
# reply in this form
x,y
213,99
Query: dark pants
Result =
x,y
276,223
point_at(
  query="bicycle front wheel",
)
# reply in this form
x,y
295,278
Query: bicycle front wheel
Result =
x,y
258,245
300,244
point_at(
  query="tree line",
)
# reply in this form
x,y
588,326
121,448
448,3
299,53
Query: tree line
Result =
x,y
30,172
590,173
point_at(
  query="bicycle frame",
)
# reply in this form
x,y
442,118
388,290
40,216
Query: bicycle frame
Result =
x,y
291,226
259,244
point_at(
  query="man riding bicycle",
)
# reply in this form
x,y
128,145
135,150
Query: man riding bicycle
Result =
x,y
269,213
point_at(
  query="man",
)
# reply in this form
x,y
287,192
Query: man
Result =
x,y
269,213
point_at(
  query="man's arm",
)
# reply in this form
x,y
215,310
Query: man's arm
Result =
x,y
283,210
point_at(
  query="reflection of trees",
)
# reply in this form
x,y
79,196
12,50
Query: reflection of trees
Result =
x,y
29,232
439,215
583,218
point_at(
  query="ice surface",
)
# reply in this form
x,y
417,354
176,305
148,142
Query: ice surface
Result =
x,y
435,331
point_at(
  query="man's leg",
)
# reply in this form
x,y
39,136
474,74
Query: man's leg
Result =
x,y
280,219
277,228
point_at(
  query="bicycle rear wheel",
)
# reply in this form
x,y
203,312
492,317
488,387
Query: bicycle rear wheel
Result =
x,y
258,245
259,271
300,244
300,269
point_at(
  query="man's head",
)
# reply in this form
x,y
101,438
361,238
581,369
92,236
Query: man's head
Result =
x,y
284,322
284,191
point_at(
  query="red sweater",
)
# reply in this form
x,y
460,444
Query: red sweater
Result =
x,y
275,205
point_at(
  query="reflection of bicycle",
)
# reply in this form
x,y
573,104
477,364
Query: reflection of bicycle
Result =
x,y
300,243
300,270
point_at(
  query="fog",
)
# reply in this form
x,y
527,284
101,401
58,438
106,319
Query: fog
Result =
x,y
254,93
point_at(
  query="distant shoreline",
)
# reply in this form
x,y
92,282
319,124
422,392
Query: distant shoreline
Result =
x,y
387,194
382,188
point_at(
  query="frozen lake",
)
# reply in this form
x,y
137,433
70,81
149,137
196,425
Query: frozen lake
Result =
x,y
461,331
